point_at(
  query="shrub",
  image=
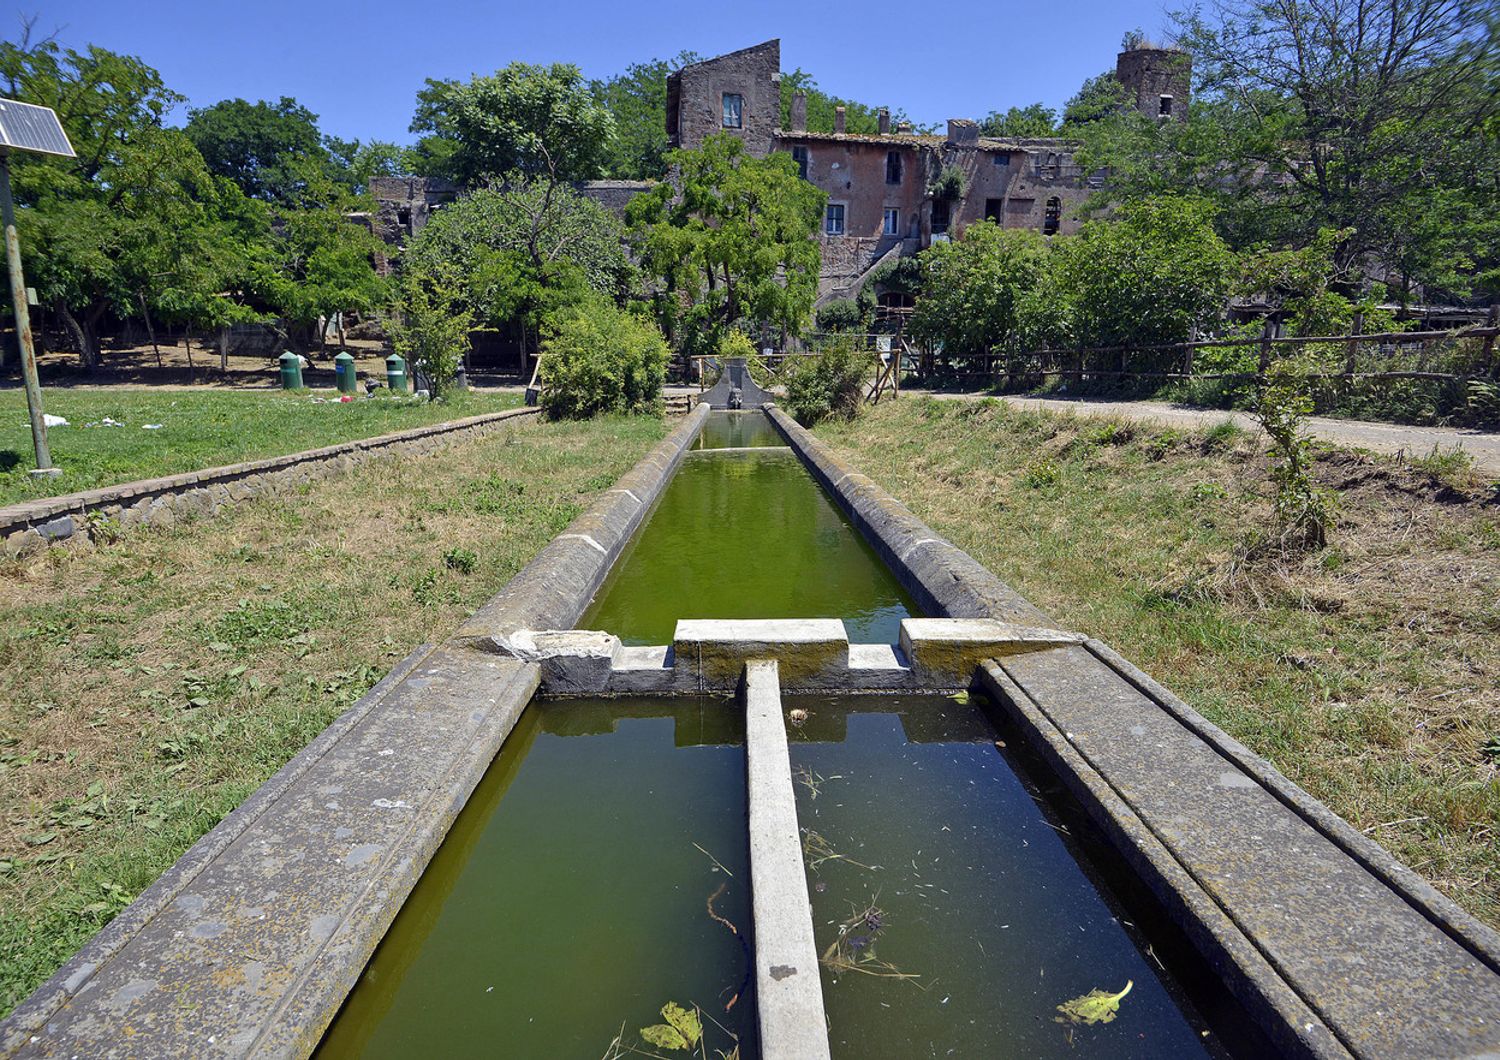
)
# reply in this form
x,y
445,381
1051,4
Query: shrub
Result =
x,y
841,314
430,326
1303,510
832,383
599,360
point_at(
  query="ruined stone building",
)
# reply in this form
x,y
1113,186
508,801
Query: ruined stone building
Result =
x,y
892,193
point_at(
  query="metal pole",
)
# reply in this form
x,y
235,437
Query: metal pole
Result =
x,y
23,323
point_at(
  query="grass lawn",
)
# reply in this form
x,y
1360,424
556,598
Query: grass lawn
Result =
x,y
1368,673
198,428
149,685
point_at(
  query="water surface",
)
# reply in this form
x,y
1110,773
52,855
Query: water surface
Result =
x,y
731,429
569,898
747,534
979,896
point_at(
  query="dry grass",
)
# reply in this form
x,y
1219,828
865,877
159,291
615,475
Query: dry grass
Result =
x,y
1368,672
148,686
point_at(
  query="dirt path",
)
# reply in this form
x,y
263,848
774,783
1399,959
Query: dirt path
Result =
x,y
1386,438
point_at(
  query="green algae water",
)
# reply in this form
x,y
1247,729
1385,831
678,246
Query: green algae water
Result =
x,y
747,533
908,807
738,430
569,899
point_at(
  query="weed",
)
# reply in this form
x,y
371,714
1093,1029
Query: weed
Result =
x,y
463,560
1222,437
1303,510
1204,492
1041,474
1453,467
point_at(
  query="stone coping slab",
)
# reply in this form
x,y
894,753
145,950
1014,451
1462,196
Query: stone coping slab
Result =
x,y
1329,956
249,944
788,981
51,517
943,578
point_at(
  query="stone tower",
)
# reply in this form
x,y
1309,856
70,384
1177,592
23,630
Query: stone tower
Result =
x,y
1158,80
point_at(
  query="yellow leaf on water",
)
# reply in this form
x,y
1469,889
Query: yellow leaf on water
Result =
x,y
1096,1006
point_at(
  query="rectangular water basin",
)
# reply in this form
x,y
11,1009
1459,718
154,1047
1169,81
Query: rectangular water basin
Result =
x,y
571,896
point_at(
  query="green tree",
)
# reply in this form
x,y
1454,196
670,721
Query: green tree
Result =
x,y
1153,273
1020,122
523,252
354,162
1100,98
1378,122
260,146
858,117
977,290
637,100
429,325
540,121
734,243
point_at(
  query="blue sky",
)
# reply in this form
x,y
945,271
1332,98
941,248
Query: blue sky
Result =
x,y
359,66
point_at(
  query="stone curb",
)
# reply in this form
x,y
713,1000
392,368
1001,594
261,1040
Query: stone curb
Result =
x,y
33,525
943,578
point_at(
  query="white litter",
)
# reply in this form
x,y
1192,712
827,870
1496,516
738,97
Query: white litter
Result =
x,y
151,426
105,422
53,421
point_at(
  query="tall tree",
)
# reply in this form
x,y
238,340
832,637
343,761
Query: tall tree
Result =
x,y
1377,121
1019,122
637,99
734,241
538,121
259,146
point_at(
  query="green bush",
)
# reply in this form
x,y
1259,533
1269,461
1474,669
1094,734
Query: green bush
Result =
x,y
602,360
841,314
830,384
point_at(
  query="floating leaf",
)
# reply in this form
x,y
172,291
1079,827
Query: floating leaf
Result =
x,y
681,1031
1094,1007
960,697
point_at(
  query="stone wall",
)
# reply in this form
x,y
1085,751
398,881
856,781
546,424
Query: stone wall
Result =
x,y
164,502
1150,74
695,98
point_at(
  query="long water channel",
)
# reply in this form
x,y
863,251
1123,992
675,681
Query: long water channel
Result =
x,y
600,870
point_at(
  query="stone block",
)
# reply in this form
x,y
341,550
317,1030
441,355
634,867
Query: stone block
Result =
x,y
810,652
944,652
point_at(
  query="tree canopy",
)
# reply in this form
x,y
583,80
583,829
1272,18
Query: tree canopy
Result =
x,y
637,100
538,121
1020,122
733,242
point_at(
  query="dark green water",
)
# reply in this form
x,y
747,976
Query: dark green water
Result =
x,y
747,534
568,898
979,895
734,430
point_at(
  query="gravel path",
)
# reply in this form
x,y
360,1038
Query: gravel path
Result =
x,y
1387,438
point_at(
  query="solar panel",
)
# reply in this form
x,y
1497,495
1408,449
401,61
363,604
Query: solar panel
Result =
x,y
27,127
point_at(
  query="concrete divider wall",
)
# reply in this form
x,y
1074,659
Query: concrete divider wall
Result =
x,y
248,945
33,525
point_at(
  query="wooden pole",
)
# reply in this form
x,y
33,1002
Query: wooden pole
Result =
x,y
19,303
1489,340
1352,352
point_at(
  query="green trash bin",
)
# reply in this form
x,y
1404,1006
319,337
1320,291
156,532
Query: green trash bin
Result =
x,y
343,372
395,374
291,371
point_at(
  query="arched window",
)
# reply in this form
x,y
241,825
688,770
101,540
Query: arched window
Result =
x,y
1052,216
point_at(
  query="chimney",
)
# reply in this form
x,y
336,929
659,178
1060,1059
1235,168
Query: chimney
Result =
x,y
838,119
962,132
885,120
904,128
799,112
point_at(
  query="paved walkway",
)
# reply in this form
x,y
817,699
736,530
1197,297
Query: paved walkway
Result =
x,y
1386,438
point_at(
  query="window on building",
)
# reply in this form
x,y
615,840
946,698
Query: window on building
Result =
x,y
734,110
993,209
892,221
1000,158
1164,108
833,220
403,215
939,217
799,156
1052,216
893,167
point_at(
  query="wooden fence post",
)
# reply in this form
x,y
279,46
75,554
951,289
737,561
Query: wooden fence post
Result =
x,y
1352,352
1489,340
1267,333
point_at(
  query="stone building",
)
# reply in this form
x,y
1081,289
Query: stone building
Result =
x,y
890,193
894,192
